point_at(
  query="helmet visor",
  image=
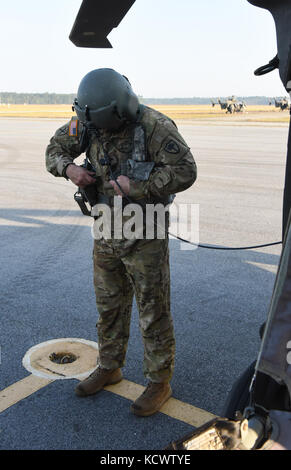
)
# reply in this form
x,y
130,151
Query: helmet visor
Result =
x,y
102,118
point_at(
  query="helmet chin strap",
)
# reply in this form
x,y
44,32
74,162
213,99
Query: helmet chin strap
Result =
x,y
87,113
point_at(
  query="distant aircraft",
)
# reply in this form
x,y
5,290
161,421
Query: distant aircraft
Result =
x,y
282,103
231,105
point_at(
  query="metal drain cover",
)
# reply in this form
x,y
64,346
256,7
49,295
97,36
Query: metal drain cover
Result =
x,y
64,358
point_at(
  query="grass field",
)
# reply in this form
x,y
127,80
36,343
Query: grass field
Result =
x,y
192,112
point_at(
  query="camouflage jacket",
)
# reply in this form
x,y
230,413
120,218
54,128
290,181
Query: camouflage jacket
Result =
x,y
174,170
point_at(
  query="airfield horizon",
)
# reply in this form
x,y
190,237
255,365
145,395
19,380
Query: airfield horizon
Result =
x,y
253,114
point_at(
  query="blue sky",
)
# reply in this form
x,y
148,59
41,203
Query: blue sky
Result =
x,y
166,48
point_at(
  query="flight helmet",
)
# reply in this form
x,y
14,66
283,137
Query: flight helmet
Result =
x,y
105,98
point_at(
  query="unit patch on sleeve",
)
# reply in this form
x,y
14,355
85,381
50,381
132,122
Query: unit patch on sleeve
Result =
x,y
172,147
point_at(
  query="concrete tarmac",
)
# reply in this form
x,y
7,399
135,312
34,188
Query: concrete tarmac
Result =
x,y
219,298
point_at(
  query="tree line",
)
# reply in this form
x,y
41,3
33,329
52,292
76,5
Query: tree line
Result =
x,y
57,98
36,98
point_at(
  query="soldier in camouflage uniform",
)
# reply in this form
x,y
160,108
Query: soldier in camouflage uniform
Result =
x,y
126,267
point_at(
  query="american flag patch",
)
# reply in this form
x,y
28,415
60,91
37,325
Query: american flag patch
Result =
x,y
73,128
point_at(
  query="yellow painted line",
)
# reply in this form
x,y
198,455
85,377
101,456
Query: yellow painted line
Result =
x,y
131,391
20,390
174,408
187,413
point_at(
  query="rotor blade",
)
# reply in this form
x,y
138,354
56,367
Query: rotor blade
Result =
x,y
263,3
96,19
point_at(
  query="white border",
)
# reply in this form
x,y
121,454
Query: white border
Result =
x,y
27,364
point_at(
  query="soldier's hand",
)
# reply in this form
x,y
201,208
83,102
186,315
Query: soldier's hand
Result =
x,y
124,183
80,176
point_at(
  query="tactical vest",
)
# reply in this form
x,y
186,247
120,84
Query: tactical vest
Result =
x,y
112,154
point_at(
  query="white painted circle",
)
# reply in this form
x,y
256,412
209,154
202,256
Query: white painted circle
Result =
x,y
36,360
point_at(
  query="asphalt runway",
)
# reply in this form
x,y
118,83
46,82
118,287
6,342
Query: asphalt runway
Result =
x,y
219,298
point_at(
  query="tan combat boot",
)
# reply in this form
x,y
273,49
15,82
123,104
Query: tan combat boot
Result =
x,y
97,381
152,399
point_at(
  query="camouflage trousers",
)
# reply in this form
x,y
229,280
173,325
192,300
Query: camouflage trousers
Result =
x,y
120,273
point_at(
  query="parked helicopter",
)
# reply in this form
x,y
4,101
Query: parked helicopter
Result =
x,y
282,103
231,105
